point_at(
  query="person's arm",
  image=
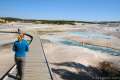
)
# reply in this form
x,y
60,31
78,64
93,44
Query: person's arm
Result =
x,y
20,32
27,48
14,48
31,37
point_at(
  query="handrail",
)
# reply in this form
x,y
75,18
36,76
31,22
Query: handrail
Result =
x,y
46,61
7,73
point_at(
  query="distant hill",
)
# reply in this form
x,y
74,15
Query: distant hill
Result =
x,y
59,22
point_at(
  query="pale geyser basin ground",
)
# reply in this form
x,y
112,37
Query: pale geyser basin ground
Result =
x,y
6,53
56,40
72,56
60,53
59,49
98,44
6,59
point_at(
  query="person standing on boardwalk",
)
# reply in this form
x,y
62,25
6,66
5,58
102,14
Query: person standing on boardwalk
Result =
x,y
21,46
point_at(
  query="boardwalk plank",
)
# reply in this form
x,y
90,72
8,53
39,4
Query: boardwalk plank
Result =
x,y
36,67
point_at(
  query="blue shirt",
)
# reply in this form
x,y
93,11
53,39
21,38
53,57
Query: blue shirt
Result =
x,y
20,48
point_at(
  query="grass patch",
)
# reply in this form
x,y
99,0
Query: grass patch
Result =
x,y
58,22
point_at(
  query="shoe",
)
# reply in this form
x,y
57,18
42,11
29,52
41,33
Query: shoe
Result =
x,y
18,77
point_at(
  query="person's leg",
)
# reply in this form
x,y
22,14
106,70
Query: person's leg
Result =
x,y
21,67
17,61
20,62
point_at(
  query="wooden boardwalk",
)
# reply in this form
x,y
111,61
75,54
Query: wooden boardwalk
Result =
x,y
36,67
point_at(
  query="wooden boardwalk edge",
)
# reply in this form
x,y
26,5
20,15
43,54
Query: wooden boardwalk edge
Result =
x,y
37,67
